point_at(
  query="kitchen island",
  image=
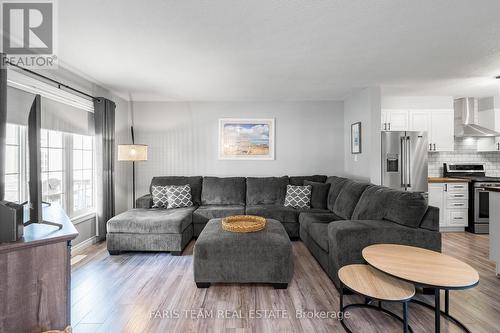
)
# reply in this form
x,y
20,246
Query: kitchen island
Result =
x,y
495,226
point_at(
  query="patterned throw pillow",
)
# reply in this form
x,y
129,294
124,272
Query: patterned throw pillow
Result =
x,y
159,194
179,196
298,196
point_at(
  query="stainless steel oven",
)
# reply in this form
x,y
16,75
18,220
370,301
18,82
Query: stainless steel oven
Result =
x,y
482,202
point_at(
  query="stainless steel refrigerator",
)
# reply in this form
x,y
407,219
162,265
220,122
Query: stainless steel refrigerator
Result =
x,y
404,160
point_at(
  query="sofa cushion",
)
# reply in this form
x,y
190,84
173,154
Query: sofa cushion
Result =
x,y
277,212
195,182
319,234
223,191
406,208
266,190
348,198
299,180
298,196
373,203
306,219
336,185
280,213
151,221
319,194
205,213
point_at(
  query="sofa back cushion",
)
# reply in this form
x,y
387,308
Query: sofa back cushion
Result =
x,y
195,182
223,191
336,185
348,198
266,190
299,180
373,203
406,208
319,194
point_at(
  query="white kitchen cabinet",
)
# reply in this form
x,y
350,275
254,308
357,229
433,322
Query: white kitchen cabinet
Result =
x,y
436,199
452,199
488,144
439,125
442,127
395,120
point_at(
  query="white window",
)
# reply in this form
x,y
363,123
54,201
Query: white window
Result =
x,y
14,164
67,169
53,167
82,174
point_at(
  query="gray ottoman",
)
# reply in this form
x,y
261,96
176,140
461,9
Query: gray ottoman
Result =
x,y
257,257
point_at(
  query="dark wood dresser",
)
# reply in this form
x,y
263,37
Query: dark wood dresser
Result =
x,y
35,276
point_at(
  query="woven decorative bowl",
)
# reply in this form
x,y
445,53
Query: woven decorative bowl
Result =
x,y
243,223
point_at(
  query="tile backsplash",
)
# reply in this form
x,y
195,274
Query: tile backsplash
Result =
x,y
465,151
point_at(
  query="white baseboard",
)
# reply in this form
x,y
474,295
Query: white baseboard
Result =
x,y
78,248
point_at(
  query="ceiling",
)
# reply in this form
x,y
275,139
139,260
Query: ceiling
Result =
x,y
282,50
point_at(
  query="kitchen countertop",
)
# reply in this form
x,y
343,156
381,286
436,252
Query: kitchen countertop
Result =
x,y
447,180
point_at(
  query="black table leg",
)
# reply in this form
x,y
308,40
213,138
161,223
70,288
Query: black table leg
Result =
x,y
405,317
447,301
341,300
437,310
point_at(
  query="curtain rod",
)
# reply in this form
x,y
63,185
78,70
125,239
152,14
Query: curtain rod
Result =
x,y
59,84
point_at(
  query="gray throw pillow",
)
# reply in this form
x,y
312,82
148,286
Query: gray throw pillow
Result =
x,y
319,194
298,196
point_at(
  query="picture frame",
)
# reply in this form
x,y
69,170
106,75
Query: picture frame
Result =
x,y
246,138
356,138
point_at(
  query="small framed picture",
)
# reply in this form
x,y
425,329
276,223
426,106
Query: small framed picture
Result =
x,y
356,138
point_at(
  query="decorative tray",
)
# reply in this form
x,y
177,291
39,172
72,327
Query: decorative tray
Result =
x,y
243,223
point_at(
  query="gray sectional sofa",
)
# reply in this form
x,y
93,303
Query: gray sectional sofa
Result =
x,y
348,216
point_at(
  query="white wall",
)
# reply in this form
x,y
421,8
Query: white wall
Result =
x,y
364,106
183,138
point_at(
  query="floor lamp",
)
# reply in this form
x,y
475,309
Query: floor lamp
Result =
x,y
133,153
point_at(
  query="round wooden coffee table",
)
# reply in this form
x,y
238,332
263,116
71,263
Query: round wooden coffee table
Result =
x,y
424,268
375,285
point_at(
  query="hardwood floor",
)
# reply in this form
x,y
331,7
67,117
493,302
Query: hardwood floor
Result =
x,y
155,292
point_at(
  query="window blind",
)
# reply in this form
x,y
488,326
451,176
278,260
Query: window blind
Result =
x,y
60,111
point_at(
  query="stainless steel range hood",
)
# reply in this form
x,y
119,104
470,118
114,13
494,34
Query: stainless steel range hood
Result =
x,y
465,124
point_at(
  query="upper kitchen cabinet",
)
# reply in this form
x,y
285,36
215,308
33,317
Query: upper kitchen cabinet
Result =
x,y
437,123
441,135
395,120
432,114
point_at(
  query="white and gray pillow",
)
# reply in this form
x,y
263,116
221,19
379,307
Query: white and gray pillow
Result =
x,y
179,196
159,194
171,196
298,196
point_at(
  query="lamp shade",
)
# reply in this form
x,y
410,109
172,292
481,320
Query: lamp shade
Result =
x,y
132,152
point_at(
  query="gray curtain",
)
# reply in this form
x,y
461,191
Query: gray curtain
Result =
x,y
105,152
3,122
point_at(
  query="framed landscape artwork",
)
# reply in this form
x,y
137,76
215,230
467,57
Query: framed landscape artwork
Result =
x,y
356,138
246,139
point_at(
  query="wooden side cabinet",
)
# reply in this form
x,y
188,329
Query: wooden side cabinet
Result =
x,y
35,279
